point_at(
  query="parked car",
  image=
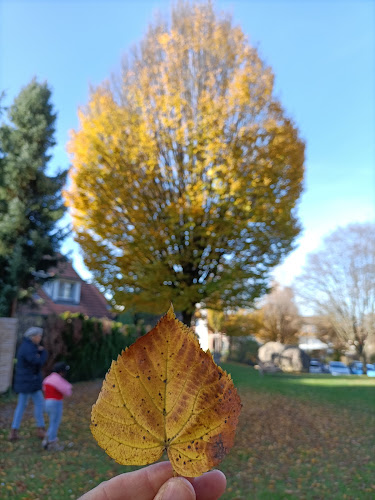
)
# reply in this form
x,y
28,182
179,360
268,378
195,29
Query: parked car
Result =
x,y
356,368
338,368
315,366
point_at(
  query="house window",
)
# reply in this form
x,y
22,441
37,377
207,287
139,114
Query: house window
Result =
x,y
66,290
48,288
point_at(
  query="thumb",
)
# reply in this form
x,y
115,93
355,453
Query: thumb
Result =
x,y
176,488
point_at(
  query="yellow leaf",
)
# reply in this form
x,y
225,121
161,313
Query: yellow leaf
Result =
x,y
165,393
164,38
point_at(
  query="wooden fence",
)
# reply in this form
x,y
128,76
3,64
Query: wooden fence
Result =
x,y
8,340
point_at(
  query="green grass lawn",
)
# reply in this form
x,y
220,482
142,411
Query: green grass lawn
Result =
x,y
303,436
299,437
352,391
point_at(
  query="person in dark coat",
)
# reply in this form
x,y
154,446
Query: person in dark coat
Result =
x,y
31,356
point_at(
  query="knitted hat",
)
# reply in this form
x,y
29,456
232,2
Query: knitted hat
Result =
x,y
33,331
61,366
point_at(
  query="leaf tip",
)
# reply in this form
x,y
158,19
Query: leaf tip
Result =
x,y
170,313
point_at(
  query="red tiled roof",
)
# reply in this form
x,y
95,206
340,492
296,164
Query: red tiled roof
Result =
x,y
92,302
64,270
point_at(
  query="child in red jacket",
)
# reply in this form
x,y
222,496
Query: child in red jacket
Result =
x,y
55,387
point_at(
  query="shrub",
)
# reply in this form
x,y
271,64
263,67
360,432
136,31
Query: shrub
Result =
x,y
88,345
244,350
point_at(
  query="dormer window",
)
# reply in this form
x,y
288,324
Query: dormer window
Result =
x,y
63,291
66,290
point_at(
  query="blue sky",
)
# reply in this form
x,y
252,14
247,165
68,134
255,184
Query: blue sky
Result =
x,y
322,54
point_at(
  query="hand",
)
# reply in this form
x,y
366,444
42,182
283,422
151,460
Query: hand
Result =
x,y
40,348
156,482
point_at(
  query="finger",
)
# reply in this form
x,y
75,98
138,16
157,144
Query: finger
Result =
x,y
209,486
142,484
176,488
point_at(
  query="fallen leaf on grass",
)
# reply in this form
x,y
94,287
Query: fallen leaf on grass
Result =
x,y
165,393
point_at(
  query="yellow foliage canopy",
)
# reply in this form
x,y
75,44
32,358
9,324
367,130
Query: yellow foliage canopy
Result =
x,y
187,170
165,393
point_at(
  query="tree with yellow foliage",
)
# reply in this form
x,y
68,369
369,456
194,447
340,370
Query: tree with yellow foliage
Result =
x,y
215,320
278,319
186,170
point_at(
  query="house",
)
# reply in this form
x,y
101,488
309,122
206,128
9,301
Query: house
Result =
x,y
310,340
66,292
217,343
310,344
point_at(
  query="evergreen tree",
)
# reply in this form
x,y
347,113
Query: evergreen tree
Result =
x,y
30,200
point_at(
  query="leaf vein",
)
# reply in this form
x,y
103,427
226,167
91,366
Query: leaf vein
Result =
x,y
176,443
141,426
111,437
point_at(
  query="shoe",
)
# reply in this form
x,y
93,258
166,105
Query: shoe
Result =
x,y
55,446
45,442
13,435
41,432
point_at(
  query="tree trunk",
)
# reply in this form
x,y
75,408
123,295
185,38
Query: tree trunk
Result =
x,y
230,346
186,317
13,308
362,357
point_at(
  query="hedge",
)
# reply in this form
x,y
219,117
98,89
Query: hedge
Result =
x,y
88,345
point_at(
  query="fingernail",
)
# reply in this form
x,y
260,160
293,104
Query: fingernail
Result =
x,y
176,488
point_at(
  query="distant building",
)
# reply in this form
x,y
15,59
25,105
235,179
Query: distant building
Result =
x,y
309,344
309,340
217,343
66,291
